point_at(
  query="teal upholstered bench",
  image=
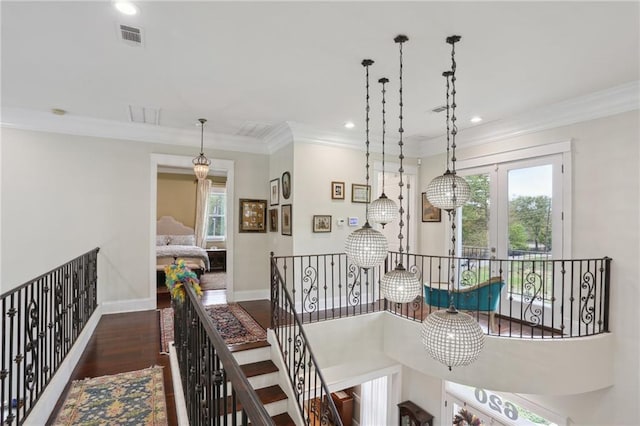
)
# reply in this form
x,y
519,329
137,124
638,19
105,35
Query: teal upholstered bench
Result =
x,y
483,297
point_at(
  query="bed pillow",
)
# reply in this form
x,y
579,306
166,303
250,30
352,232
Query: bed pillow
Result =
x,y
182,240
162,240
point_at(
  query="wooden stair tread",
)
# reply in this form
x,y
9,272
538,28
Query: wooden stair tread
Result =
x,y
267,396
247,346
259,368
283,420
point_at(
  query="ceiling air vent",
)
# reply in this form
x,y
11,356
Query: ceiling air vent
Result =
x,y
439,109
131,35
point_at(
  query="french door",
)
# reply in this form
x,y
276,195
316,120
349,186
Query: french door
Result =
x,y
515,212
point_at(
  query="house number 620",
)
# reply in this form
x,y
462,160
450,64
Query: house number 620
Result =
x,y
495,403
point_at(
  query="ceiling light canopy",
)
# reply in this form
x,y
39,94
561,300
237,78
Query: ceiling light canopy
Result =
x,y
201,163
126,8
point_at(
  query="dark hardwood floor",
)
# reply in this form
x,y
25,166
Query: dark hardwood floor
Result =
x,y
131,341
121,343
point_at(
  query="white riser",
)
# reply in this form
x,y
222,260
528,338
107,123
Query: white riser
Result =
x,y
273,409
261,381
253,355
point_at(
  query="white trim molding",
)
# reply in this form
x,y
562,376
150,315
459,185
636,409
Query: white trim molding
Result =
x,y
25,119
612,101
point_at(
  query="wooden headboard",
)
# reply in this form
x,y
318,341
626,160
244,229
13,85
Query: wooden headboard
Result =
x,y
167,225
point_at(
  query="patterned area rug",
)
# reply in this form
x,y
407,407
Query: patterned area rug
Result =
x,y
233,323
166,329
136,397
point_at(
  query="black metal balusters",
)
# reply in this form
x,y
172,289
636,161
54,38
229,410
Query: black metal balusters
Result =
x,y
313,396
206,365
41,320
527,295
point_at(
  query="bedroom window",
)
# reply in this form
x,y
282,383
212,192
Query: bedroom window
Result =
x,y
216,220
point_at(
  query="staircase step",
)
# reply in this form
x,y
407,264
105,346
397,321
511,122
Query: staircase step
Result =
x,y
283,420
260,374
248,356
272,397
258,368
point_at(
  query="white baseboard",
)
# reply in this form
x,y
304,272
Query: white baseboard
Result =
x,y
178,394
43,408
240,296
132,305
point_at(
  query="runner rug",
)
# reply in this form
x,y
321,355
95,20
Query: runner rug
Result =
x,y
233,323
136,397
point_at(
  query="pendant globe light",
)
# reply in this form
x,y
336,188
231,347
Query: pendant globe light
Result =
x,y
366,247
383,210
201,163
400,285
450,191
451,337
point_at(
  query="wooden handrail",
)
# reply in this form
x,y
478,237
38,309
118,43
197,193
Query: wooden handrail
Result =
x,y
245,393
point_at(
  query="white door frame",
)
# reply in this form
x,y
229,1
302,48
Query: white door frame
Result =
x,y
181,161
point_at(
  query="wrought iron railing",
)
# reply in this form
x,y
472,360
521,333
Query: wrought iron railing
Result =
x,y
312,393
532,298
41,320
206,366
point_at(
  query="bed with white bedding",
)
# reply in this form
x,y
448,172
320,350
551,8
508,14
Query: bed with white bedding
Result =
x,y
176,241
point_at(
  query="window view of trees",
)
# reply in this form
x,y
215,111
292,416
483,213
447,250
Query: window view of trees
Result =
x,y
216,223
529,219
475,214
530,223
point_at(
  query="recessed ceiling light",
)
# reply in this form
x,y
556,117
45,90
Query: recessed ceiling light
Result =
x,y
126,8
476,119
58,111
349,125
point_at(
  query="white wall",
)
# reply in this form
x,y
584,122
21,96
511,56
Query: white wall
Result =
x,y
279,162
316,167
606,189
62,195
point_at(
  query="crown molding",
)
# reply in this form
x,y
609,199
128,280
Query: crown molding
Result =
x,y
25,119
303,133
278,137
604,103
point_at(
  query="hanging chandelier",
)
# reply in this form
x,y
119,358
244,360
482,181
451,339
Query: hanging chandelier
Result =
x,y
449,191
451,337
400,285
383,210
366,247
201,163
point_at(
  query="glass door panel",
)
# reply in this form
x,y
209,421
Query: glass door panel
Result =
x,y
477,238
530,230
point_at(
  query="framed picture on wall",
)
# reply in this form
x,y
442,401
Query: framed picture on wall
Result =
x,y
286,185
253,215
337,190
360,193
286,219
273,220
321,223
274,199
429,212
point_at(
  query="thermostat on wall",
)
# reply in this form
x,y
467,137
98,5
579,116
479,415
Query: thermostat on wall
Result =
x,y
353,221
